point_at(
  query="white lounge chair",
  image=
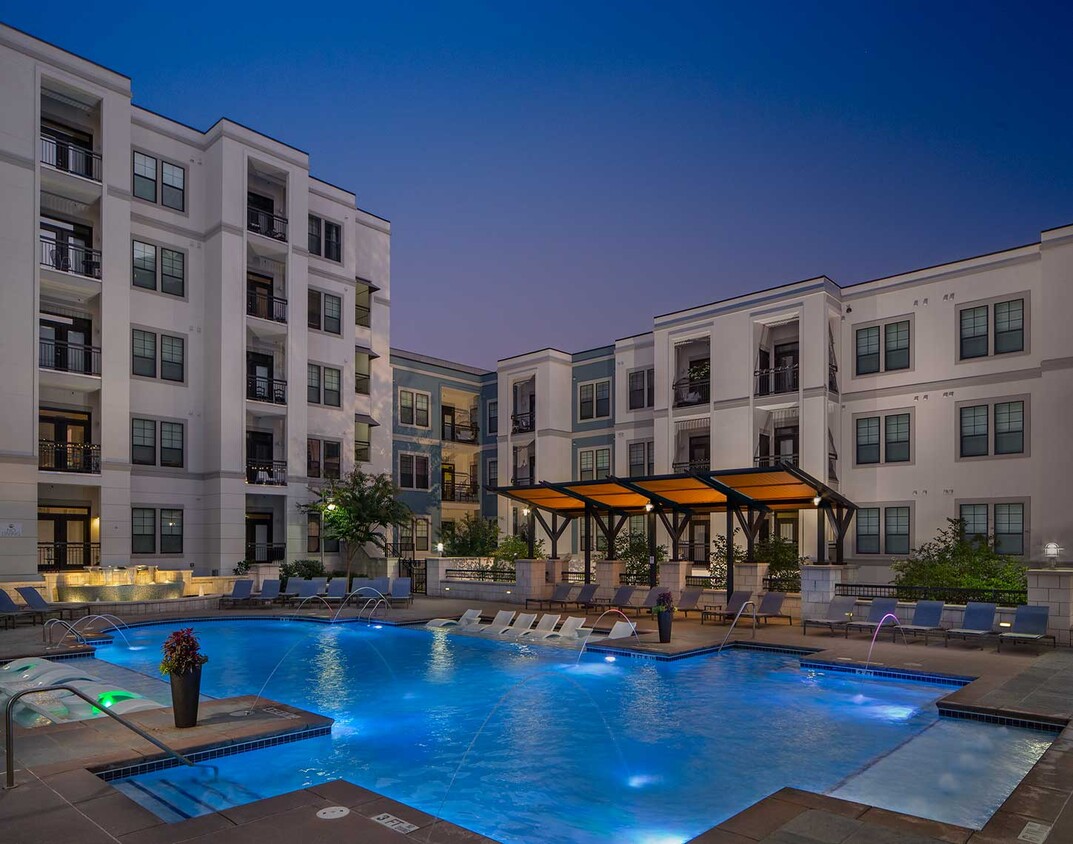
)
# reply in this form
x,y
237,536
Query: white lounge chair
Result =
x,y
522,623
467,618
573,630
620,630
52,677
546,624
500,622
25,668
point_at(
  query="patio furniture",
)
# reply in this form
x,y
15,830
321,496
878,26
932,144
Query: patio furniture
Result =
x,y
381,585
771,607
927,618
269,593
321,583
586,596
688,601
839,613
293,583
572,630
1029,625
306,589
400,592
523,622
738,599
38,604
547,624
619,630
877,616
336,591
559,595
621,599
651,599
469,617
241,592
501,621
977,623
10,611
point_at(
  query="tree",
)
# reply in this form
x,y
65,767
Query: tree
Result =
x,y
471,536
717,559
357,509
956,559
632,550
513,548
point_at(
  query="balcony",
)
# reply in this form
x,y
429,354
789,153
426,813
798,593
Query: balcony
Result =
x,y
461,430
56,556
79,458
69,158
361,383
691,391
62,356
767,461
263,306
266,552
266,223
461,489
522,477
362,316
266,472
271,390
522,423
70,258
697,464
782,379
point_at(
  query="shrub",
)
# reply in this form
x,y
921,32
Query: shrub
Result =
x,y
513,548
471,536
956,560
243,567
182,653
300,568
632,550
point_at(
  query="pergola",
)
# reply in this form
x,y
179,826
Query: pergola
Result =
x,y
745,495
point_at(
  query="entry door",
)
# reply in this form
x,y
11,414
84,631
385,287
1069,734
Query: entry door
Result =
x,y
447,478
448,414
259,369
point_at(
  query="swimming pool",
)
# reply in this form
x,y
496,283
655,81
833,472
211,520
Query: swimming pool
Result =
x,y
506,739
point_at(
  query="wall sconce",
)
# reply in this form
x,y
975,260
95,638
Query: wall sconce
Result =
x,y
1051,551
525,512
439,547
331,505
649,507
816,501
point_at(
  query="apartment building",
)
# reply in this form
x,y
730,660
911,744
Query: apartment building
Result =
x,y
444,426
934,394
194,330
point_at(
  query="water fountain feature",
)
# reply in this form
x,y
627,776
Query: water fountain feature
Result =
x,y
112,584
897,626
633,624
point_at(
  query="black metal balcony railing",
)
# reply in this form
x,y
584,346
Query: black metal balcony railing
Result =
x,y
460,431
950,594
69,457
832,377
270,390
703,581
522,479
695,465
70,258
263,306
266,472
266,552
783,379
361,383
766,461
483,575
362,316
262,222
53,556
522,423
689,392
70,158
461,489
402,550
68,357
695,552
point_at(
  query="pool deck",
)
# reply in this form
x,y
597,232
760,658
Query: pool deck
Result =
x,y
60,800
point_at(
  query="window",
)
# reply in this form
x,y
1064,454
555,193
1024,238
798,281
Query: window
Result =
x,y
171,531
896,540
868,440
896,438
332,460
637,526
413,471
313,458
313,387
172,272
333,379
594,463
144,265
333,247
413,408
1010,326
640,459
974,332
974,517
642,388
172,186
314,235
313,533
143,530
1009,427
406,407
143,442
421,410
1010,528
868,350
333,311
144,352
172,435
144,177
493,417
594,400
492,473
974,431
313,315
868,530
421,531
362,445
172,353
896,345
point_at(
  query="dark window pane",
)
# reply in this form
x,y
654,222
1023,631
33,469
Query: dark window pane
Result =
x,y
603,399
1010,427
637,390
171,531
896,345
897,438
313,388
143,442
332,244
333,309
313,319
974,332
868,350
1010,528
172,186
144,176
897,535
586,401
974,431
172,355
171,444
172,272
143,530
1010,326
144,265
144,353
314,234
868,440
421,410
867,519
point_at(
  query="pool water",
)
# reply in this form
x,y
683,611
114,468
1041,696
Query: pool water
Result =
x,y
525,743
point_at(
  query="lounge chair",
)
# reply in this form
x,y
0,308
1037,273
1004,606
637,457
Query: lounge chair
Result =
x,y
293,584
240,594
619,630
877,616
927,618
321,583
559,595
839,613
501,621
651,599
269,593
359,583
306,589
1029,625
38,604
381,585
336,591
688,601
546,624
573,630
469,617
400,592
738,599
523,622
52,677
771,607
16,668
621,599
14,613
586,597
977,623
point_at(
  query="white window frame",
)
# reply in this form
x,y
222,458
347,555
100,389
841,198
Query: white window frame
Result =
x,y
610,398
415,393
428,469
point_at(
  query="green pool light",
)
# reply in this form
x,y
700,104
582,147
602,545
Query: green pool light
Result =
x,y
109,699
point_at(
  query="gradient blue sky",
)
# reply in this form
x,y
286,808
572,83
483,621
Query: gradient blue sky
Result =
x,y
558,173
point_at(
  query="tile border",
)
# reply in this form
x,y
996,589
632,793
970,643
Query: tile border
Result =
x,y
955,680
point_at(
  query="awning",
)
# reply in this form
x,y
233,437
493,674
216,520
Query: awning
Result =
x,y
365,350
372,287
366,419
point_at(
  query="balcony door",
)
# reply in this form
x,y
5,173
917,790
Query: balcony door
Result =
x,y
786,359
786,443
68,149
259,372
259,538
447,480
448,417
65,246
698,539
65,343
63,435
259,296
259,447
699,452
63,538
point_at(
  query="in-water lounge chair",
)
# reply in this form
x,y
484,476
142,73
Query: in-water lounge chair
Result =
x,y
619,630
502,621
738,599
977,623
572,630
38,604
241,593
467,619
771,607
559,595
522,623
877,616
838,615
927,618
547,624
1029,625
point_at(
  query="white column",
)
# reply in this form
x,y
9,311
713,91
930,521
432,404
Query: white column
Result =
x,y
1053,588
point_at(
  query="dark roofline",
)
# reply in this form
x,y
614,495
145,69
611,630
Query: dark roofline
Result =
x,y
251,129
371,214
65,50
535,351
331,185
434,361
1056,228
631,336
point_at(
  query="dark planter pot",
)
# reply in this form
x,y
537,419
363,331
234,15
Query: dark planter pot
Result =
x,y
185,691
663,619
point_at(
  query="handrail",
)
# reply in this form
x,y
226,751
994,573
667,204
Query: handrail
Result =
x,y
46,631
741,609
9,727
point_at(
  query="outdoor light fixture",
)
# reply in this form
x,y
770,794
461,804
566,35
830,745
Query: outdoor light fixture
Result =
x,y
331,506
1004,624
525,511
1051,550
439,547
648,507
816,501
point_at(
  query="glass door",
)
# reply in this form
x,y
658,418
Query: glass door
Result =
x,y
62,437
259,372
447,478
63,538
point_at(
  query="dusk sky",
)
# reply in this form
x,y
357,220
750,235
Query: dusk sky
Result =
x,y
558,173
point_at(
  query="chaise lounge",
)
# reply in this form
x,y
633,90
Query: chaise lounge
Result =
x,y
878,612
1029,625
839,613
977,623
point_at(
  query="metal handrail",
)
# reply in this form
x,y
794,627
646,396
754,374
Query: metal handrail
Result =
x,y
691,390
52,623
522,423
71,158
9,727
741,609
266,223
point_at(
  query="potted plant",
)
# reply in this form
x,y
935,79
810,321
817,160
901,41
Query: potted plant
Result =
x,y
182,665
664,613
